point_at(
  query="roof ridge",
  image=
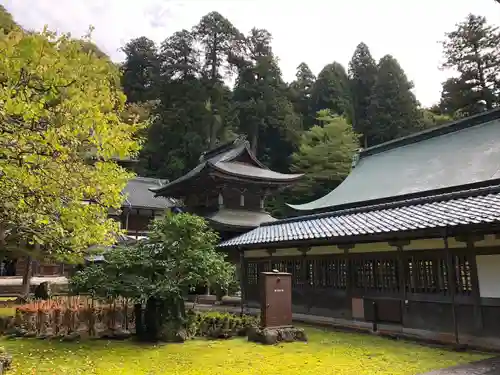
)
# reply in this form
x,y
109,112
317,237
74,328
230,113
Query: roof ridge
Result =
x,y
451,127
222,148
157,182
465,192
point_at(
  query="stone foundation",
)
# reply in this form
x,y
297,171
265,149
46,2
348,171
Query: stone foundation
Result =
x,y
271,336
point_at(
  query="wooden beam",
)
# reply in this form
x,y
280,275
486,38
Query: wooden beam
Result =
x,y
470,239
399,243
304,250
346,247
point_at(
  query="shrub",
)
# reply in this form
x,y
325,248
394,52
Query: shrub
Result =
x,y
5,359
218,325
72,318
43,291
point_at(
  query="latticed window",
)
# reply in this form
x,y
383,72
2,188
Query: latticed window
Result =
x,y
426,275
376,274
296,267
463,278
386,275
329,273
252,275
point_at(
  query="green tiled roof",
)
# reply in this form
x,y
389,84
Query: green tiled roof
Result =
x,y
463,152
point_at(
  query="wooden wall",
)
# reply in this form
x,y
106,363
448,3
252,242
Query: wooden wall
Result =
x,y
433,289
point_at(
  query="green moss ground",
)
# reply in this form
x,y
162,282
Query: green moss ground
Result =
x,y
328,352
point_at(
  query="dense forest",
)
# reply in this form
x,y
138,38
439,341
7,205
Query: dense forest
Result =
x,y
207,85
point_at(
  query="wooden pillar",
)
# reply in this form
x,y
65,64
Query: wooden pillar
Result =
x,y
470,241
270,252
402,275
348,276
305,270
450,265
243,281
478,313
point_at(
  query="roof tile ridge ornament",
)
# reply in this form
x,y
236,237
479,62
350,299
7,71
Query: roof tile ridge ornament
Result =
x,y
223,148
355,158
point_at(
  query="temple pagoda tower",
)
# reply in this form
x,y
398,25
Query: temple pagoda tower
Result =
x,y
228,188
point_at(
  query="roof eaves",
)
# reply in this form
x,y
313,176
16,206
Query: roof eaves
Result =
x,y
192,173
465,191
291,177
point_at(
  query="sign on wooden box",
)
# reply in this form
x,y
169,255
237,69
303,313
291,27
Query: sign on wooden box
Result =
x,y
276,299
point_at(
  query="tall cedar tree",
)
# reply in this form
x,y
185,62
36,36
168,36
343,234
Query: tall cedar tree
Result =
x,y
217,37
265,114
362,75
472,49
60,107
458,98
300,94
140,70
331,91
393,109
324,156
178,57
181,127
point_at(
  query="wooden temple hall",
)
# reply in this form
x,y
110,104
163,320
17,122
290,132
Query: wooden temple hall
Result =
x,y
228,188
409,240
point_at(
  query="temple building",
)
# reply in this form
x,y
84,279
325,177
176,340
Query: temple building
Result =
x,y
228,188
138,209
409,241
140,206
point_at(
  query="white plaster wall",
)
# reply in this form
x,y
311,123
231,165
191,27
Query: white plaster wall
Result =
x,y
488,272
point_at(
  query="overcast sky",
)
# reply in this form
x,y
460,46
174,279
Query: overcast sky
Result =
x,y
315,31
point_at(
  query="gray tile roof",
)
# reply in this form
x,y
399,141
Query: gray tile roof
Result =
x,y
138,195
476,206
246,170
223,159
460,153
240,218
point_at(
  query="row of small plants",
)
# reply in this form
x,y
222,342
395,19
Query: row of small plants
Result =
x,y
219,325
74,318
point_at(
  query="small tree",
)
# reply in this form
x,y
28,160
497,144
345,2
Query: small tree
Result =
x,y
325,155
179,254
58,105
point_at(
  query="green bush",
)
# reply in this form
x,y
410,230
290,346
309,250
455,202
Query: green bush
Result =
x,y
218,325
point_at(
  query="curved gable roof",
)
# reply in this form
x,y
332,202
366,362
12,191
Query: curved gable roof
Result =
x,y
461,153
227,159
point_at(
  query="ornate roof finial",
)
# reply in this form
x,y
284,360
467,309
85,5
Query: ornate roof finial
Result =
x,y
355,158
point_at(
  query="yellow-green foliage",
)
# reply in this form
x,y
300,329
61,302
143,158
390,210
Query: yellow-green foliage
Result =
x,y
7,311
326,353
58,105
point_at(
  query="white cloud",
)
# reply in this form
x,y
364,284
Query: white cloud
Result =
x,y
315,31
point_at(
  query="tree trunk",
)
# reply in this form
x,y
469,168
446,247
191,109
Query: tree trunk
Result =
x,y
254,141
28,269
139,321
2,237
